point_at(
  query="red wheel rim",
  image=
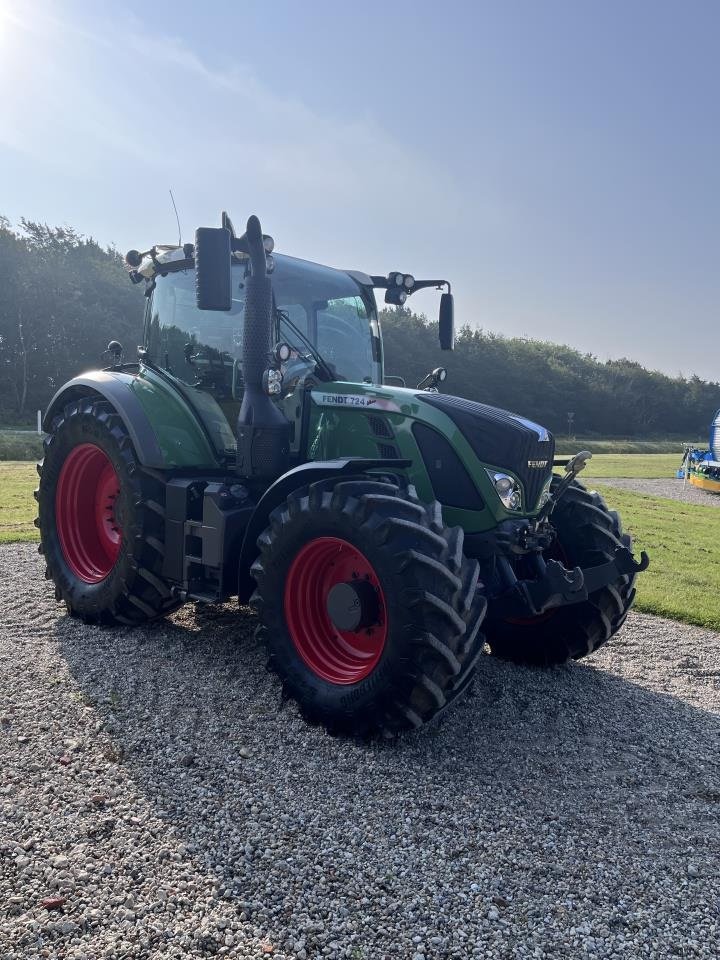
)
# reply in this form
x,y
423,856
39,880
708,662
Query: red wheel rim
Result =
x,y
341,657
89,533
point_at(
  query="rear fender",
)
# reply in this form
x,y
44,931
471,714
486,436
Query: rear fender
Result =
x,y
278,492
165,430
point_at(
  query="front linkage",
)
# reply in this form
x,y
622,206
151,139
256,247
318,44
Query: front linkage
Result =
x,y
557,585
554,584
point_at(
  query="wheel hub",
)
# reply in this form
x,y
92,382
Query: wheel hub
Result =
x,y
335,610
353,605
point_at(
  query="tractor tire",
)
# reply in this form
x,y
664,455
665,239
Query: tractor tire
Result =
x,y
418,603
588,534
101,519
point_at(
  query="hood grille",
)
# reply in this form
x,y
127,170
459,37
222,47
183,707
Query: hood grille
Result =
x,y
502,439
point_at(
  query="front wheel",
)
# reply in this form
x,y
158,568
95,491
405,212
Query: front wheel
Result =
x,y
101,519
370,612
588,533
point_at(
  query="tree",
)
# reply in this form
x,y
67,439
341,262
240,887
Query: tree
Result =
x,y
541,380
62,298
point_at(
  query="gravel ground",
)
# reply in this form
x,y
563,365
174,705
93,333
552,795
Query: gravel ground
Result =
x,y
671,489
157,801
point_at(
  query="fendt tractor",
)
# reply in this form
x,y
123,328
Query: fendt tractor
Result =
x,y
256,450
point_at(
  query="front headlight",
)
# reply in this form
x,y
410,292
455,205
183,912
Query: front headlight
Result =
x,y
507,488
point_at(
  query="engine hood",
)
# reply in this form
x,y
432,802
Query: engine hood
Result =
x,y
498,438
503,439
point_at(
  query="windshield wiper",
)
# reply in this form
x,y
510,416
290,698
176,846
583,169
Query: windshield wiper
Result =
x,y
321,365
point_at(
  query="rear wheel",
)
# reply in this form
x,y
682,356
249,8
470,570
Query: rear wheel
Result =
x,y
369,609
587,535
101,519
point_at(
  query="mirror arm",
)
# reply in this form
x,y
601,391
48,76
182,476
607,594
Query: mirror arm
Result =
x,y
382,283
424,284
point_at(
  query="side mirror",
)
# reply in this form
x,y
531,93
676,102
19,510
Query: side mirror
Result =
x,y
213,268
446,329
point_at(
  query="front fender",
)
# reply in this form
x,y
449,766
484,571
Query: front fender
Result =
x,y
165,430
277,492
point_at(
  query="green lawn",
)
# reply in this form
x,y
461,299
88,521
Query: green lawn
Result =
x,y
19,445
636,465
565,446
17,504
683,580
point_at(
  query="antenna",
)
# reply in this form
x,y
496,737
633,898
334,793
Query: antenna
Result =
x,y
177,218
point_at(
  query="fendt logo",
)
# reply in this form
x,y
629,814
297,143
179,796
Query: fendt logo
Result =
x,y
537,464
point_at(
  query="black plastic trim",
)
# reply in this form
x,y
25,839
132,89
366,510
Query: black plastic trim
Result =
x,y
452,484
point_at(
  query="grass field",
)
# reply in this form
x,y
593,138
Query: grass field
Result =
x,y
17,504
684,578
640,466
20,445
568,447
683,581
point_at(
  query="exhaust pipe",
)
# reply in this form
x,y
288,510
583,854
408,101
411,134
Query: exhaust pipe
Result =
x,y
263,432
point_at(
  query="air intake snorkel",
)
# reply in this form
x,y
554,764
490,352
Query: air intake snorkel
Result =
x,y
263,432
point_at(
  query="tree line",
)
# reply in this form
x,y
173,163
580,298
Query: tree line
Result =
x,y
555,385
63,297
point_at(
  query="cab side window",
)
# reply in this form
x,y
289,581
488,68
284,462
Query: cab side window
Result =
x,y
200,347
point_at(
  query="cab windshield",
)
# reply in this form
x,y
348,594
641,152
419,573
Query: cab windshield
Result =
x,y
314,303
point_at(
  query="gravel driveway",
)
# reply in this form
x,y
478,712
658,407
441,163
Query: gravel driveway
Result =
x,y
162,802
669,489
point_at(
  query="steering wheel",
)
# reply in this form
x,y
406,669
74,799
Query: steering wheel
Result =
x,y
340,324
345,335
296,367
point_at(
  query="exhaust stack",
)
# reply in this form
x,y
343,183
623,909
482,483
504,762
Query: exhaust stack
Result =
x,y
263,432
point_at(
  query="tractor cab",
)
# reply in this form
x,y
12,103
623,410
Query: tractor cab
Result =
x,y
319,312
318,325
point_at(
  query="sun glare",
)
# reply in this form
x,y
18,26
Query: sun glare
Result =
x,y
9,28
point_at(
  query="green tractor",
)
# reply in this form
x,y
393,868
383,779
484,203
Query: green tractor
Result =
x,y
255,450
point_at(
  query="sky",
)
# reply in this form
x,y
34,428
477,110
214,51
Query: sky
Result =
x,y
558,161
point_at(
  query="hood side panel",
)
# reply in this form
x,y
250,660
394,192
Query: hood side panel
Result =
x,y
503,438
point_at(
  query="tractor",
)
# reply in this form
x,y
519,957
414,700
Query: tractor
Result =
x,y
255,449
